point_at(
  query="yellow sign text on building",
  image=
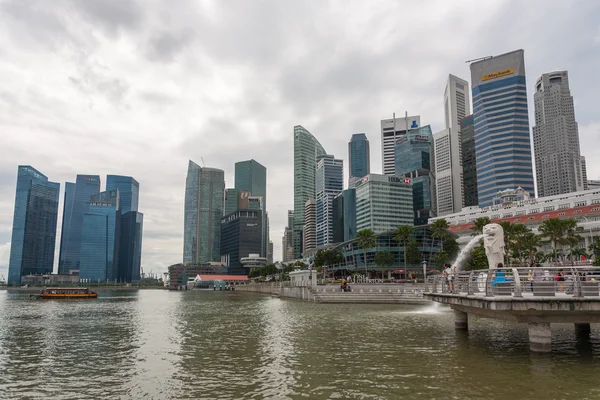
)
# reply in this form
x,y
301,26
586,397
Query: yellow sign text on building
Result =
x,y
494,75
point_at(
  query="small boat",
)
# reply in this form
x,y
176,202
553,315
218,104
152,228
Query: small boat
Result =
x,y
67,293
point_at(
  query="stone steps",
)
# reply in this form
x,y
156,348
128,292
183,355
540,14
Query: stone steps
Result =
x,y
374,298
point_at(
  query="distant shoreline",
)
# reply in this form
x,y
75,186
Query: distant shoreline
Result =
x,y
39,288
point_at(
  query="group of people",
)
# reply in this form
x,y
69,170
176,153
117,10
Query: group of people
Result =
x,y
345,286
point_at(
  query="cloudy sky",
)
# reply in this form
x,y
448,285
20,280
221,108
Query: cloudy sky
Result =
x,y
138,88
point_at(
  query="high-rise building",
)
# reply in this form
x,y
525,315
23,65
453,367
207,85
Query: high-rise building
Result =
x,y
306,150
241,235
469,163
287,244
270,254
290,219
251,176
383,203
501,120
359,158
392,130
100,238
414,157
76,204
584,173
329,183
130,251
558,163
231,200
309,231
448,157
344,216
204,190
34,225
129,191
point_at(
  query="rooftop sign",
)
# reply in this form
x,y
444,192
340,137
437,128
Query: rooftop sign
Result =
x,y
499,74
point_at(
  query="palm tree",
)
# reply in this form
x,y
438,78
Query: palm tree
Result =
x,y
403,235
439,230
479,224
384,259
512,235
366,239
527,244
559,232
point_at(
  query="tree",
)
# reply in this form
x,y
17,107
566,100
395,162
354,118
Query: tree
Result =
x,y
576,253
366,239
328,257
594,248
439,229
479,224
404,235
478,259
559,232
413,254
512,235
384,259
440,259
527,245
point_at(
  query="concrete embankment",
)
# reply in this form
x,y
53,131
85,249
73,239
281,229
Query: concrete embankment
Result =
x,y
370,294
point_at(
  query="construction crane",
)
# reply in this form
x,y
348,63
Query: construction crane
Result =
x,y
478,59
203,165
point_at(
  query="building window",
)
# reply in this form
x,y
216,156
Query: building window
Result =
x,y
580,204
563,206
549,208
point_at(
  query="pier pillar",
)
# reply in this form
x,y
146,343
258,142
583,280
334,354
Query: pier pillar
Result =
x,y
540,337
582,329
461,320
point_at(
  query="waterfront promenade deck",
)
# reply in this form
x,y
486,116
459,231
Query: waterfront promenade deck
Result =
x,y
535,296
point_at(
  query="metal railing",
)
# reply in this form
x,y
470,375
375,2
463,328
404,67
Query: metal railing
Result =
x,y
520,282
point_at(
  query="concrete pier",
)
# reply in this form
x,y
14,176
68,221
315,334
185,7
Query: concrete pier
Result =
x,y
461,320
582,329
540,337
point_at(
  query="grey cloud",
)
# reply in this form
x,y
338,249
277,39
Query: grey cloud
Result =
x,y
111,15
166,45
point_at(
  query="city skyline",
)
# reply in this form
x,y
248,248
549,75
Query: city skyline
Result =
x,y
72,104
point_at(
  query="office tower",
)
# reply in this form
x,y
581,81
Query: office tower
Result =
x,y
502,142
129,191
290,219
231,200
204,190
383,203
469,164
392,130
584,173
100,238
306,150
251,176
309,231
130,254
558,163
359,158
287,244
447,144
270,254
34,225
329,183
241,235
344,216
78,203
414,157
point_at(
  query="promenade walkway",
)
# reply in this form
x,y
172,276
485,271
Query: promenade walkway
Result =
x,y
535,296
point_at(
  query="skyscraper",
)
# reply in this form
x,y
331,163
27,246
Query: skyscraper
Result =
x,y
287,249
309,230
469,163
448,157
204,188
130,249
78,203
414,157
502,142
231,200
100,238
344,216
251,176
129,191
359,158
392,130
241,235
558,163
34,225
306,150
329,183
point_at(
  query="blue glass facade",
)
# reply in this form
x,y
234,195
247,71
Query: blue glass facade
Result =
x,y
100,238
329,180
344,216
501,126
251,176
34,225
130,251
359,156
70,243
129,191
414,157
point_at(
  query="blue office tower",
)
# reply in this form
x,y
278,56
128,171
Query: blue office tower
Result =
x,y
130,252
359,157
344,216
329,180
75,206
501,121
129,191
34,225
100,238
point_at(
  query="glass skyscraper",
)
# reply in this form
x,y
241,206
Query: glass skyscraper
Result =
x,y
129,191
77,199
100,238
469,164
306,150
34,225
204,189
344,216
414,157
359,158
501,120
251,176
329,180
130,251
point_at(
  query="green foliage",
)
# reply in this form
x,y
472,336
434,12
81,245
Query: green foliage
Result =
x,y
479,224
478,259
403,235
559,232
384,259
595,249
366,239
450,247
267,270
440,259
328,257
413,253
439,228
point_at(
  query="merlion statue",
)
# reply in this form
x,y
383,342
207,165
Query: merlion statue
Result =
x,y
493,242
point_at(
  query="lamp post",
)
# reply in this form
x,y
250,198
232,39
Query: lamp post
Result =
x,y
424,271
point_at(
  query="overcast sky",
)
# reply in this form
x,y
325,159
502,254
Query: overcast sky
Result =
x,y
138,88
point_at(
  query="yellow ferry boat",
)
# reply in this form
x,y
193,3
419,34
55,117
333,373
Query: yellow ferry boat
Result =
x,y
67,293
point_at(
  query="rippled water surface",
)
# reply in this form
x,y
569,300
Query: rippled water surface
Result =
x,y
155,344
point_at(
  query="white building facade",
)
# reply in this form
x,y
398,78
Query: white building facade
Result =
x,y
391,130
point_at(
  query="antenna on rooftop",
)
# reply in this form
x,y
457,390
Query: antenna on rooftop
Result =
x,y
478,59
203,165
